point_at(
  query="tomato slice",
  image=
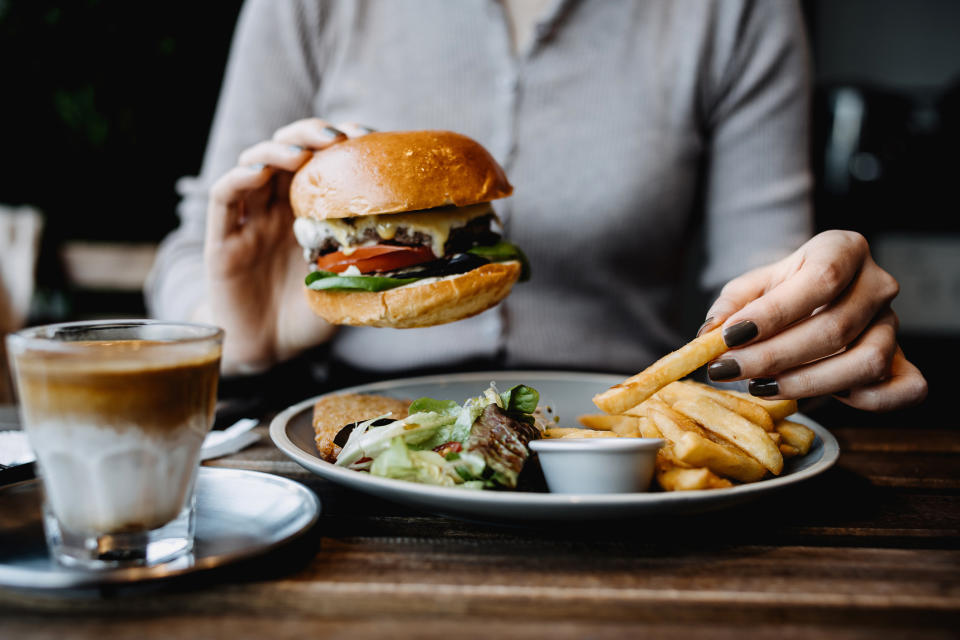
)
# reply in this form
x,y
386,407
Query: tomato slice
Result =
x,y
378,257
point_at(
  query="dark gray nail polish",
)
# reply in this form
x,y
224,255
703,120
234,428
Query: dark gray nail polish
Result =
x,y
333,132
706,323
740,333
723,369
367,129
762,387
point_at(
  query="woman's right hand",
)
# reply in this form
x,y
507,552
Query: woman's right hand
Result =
x,y
254,266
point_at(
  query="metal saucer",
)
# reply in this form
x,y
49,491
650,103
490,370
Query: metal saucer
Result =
x,y
240,514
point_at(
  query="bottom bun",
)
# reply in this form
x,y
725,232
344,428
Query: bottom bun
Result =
x,y
423,304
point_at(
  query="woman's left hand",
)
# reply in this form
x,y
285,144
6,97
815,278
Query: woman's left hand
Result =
x,y
817,322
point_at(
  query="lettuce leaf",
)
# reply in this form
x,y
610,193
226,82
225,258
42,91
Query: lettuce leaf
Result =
x,y
502,252
327,280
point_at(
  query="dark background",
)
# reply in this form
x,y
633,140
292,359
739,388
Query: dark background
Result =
x,y
107,102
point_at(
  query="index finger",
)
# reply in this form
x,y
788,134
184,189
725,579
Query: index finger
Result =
x,y
312,133
829,264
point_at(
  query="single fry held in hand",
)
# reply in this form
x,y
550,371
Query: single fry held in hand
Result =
x,y
673,366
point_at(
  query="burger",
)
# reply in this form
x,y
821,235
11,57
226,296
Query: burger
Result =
x,y
399,231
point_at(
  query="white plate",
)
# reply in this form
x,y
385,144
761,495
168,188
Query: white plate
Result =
x,y
569,394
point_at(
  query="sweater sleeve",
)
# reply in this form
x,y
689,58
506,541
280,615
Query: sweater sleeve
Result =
x,y
271,78
757,108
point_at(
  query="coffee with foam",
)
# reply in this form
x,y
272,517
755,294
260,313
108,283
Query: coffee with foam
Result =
x,y
117,427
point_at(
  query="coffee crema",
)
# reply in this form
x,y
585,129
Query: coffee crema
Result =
x,y
157,386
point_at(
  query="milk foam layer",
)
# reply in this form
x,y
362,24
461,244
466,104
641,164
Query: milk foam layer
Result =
x,y
116,478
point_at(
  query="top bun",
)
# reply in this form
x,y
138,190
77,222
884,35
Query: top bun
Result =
x,y
396,171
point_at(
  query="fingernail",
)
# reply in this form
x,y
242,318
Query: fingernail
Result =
x,y
256,168
740,333
296,148
723,369
366,128
763,387
333,132
706,323
843,394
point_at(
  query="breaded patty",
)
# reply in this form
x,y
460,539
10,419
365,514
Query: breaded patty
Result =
x,y
331,413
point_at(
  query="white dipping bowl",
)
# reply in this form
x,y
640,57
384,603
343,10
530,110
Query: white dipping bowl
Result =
x,y
597,465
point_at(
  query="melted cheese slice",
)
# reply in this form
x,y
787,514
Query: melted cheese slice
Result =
x,y
435,223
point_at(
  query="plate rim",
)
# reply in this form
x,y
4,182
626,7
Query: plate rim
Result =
x,y
12,576
831,452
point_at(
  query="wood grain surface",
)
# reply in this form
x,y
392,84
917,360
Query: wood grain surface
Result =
x,y
867,550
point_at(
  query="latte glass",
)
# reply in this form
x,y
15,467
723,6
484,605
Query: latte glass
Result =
x,y
116,412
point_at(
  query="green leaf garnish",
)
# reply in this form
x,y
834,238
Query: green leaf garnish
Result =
x,y
520,399
502,252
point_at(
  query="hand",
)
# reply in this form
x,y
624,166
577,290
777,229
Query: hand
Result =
x,y
817,322
254,266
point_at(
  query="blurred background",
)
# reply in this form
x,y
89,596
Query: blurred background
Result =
x,y
107,103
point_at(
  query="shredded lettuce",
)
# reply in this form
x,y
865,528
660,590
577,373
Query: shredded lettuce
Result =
x,y
404,449
369,442
402,463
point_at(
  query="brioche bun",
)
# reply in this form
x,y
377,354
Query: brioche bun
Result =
x,y
421,304
396,171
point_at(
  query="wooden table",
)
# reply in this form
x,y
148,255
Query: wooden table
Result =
x,y
867,550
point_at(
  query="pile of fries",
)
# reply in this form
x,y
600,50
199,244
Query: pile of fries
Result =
x,y
714,438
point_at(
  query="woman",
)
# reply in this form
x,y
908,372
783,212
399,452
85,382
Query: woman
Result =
x,y
637,134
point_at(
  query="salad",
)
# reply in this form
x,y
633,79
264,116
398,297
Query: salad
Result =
x,y
481,444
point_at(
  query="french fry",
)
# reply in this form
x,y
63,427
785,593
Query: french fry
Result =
x,y
778,409
665,453
649,430
734,428
690,389
559,432
599,421
623,425
697,451
789,451
673,366
693,446
775,437
576,432
590,433
670,422
796,435
672,478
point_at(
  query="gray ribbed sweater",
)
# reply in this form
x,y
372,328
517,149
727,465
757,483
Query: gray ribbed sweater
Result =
x,y
625,126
